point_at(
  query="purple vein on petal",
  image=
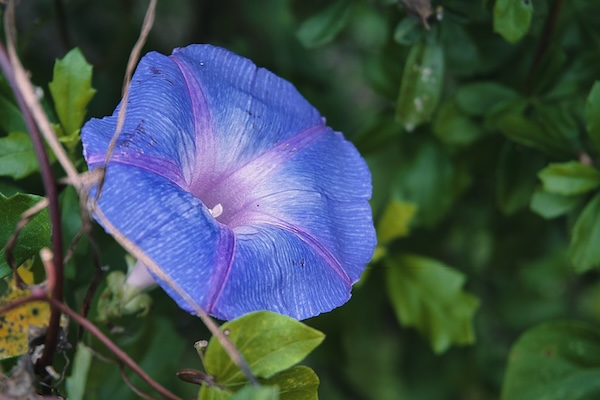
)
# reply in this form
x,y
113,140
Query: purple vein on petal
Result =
x,y
165,168
226,255
312,242
316,246
204,137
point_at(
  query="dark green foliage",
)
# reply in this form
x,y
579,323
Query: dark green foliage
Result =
x,y
34,236
483,138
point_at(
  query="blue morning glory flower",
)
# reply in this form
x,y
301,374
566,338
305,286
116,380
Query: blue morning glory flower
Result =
x,y
230,181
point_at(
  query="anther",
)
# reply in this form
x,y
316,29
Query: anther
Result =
x,y
216,210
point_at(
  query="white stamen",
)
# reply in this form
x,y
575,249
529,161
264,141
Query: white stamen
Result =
x,y
216,210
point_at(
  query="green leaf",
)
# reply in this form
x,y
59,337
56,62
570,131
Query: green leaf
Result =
x,y
395,221
559,123
422,82
592,115
408,31
516,177
454,128
570,178
17,157
584,250
512,18
154,343
257,393
214,393
81,366
462,55
531,133
426,177
71,90
481,98
296,383
324,26
428,295
32,238
11,119
269,342
551,205
554,361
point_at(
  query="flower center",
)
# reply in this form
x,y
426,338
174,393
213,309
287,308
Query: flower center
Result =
x,y
216,211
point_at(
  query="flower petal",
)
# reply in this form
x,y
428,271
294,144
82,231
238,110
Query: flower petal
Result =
x,y
158,133
274,269
231,183
170,226
251,110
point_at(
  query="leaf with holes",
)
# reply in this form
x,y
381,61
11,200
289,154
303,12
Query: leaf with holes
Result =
x,y
421,85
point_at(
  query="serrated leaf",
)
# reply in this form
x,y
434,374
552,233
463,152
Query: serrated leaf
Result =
x,y
269,342
17,157
81,365
584,250
554,361
592,115
512,18
551,205
324,26
395,221
71,90
570,178
421,84
32,238
428,295
296,383
257,393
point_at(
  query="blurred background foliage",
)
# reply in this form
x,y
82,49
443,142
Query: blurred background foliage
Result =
x,y
481,124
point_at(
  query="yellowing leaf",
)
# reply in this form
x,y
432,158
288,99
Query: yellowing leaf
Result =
x,y
395,222
25,274
14,325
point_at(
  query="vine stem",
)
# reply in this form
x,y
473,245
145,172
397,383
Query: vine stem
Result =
x,y
7,65
546,39
39,294
33,114
23,89
232,351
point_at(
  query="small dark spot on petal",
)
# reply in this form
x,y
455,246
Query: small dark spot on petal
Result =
x,y
155,70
